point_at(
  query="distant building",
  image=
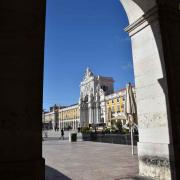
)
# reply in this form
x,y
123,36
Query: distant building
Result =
x,y
98,105
115,107
69,117
91,88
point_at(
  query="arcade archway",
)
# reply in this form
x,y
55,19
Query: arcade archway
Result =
x,y
154,29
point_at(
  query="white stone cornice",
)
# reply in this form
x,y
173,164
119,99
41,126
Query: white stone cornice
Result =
x,y
143,21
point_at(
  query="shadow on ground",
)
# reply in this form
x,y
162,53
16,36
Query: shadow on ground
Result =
x,y
135,178
53,174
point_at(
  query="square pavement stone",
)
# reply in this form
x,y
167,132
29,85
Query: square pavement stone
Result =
x,y
85,160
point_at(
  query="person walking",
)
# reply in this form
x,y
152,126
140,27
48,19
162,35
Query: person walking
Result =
x,y
62,134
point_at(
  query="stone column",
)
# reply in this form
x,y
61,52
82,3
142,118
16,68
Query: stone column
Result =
x,y
94,113
21,74
73,124
154,143
102,108
154,30
81,117
76,123
87,114
90,112
81,114
97,106
97,112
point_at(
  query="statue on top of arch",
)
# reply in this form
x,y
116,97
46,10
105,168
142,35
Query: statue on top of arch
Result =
x,y
88,73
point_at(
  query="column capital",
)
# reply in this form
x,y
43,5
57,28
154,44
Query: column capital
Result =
x,y
143,21
171,8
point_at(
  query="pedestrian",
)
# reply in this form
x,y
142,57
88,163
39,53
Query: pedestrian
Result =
x,y
62,134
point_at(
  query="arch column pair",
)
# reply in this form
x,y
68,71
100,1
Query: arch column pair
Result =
x,y
154,30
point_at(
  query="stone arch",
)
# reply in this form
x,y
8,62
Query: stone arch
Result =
x,y
147,29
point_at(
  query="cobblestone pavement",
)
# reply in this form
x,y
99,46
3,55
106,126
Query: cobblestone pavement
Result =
x,y
84,160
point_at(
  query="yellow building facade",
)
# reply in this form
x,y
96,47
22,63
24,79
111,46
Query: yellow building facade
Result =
x,y
69,117
115,104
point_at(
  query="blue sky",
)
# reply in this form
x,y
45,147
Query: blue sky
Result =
x,y
81,33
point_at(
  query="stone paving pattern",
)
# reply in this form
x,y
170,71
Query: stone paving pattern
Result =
x,y
89,161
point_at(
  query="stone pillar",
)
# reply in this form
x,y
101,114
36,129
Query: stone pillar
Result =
x,y
97,106
21,74
154,143
73,124
102,108
90,113
81,114
76,124
81,118
87,115
97,113
90,109
94,113
154,30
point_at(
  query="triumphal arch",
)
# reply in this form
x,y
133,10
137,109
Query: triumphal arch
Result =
x,y
89,102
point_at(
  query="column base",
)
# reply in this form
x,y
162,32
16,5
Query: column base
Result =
x,y
154,160
23,170
154,167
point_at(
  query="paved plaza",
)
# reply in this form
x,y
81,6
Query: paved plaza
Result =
x,y
84,160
